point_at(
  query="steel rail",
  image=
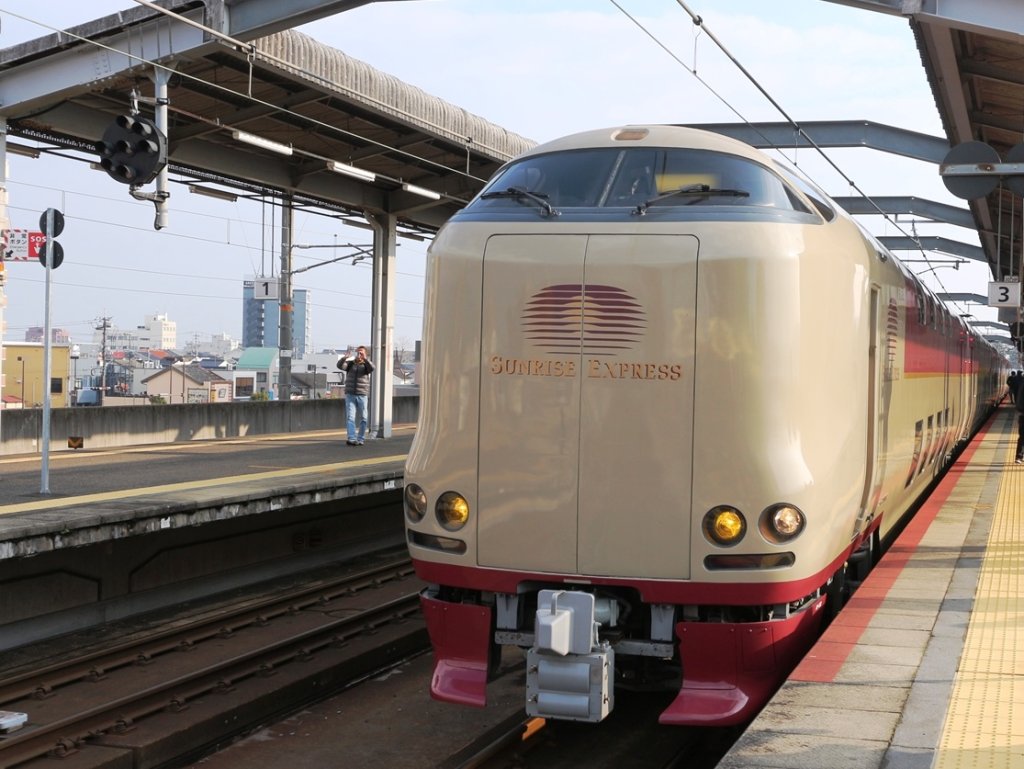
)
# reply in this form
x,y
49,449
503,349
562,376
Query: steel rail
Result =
x,y
117,714
42,681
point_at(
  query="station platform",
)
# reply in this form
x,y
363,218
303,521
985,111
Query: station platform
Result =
x,y
114,493
924,667
126,531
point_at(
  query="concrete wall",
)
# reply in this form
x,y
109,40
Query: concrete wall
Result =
x,y
109,426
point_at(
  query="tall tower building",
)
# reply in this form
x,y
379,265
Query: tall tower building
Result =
x,y
255,318
261,320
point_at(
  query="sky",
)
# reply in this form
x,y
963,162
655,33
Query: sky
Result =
x,y
540,69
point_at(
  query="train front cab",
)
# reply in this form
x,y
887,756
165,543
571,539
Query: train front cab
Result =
x,y
567,500
542,426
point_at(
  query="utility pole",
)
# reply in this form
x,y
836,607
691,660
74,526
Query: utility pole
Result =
x,y
284,339
104,325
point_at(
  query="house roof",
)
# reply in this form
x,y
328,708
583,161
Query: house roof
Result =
x,y
193,373
256,358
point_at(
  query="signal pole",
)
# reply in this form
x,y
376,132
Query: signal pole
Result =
x,y
4,224
104,325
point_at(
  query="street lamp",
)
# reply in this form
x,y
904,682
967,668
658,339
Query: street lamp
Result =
x,y
22,361
75,353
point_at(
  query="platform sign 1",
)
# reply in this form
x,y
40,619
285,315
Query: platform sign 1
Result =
x,y
1004,294
21,245
265,288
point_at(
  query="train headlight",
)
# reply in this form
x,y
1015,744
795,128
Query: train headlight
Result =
x,y
782,523
724,525
452,510
415,502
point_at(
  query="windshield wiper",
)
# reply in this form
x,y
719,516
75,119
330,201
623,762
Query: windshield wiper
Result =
x,y
519,194
691,191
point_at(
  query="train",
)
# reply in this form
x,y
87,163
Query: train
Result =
x,y
674,403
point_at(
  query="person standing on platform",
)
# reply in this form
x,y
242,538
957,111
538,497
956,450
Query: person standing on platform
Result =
x,y
1019,402
357,389
1012,383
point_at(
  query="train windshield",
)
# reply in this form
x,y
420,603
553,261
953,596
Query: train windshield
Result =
x,y
640,178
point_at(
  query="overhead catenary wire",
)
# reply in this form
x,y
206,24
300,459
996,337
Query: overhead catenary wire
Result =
x,y
699,22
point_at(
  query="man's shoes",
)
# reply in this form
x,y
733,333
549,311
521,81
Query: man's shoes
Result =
x,y
351,443
1018,461
359,443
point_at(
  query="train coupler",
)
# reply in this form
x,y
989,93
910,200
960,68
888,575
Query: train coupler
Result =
x,y
570,674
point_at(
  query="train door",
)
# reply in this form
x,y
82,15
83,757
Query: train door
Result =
x,y
967,386
945,428
586,404
966,404
879,391
529,401
636,407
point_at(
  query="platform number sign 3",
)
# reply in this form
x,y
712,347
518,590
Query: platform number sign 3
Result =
x,y
1004,294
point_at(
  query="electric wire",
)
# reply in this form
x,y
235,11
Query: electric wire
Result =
x,y
256,53
699,22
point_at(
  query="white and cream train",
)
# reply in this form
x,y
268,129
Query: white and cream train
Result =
x,y
672,397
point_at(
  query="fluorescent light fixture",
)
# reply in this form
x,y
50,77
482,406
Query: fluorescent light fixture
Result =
x,y
355,173
212,193
421,191
259,141
356,223
22,149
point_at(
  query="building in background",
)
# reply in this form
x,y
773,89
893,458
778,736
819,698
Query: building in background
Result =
x,y
158,332
188,383
221,346
58,335
257,372
22,383
261,320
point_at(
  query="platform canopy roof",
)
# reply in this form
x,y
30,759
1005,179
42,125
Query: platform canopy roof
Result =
x,y
237,66
972,54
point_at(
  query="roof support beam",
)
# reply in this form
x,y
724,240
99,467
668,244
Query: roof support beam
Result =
x,y
997,18
933,243
961,297
249,19
836,133
38,81
929,209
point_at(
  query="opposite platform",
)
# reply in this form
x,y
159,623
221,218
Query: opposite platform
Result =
x,y
924,667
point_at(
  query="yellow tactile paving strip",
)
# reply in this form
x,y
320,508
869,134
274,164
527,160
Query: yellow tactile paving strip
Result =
x,y
145,491
984,727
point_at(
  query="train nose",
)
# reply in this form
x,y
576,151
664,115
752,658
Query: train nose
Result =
x,y
610,326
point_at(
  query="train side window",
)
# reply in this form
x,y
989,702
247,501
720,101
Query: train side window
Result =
x,y
929,453
918,445
818,198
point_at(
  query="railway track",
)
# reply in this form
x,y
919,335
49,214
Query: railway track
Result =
x,y
190,686
631,737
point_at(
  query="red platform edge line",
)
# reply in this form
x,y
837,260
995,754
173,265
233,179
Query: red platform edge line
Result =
x,y
827,657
